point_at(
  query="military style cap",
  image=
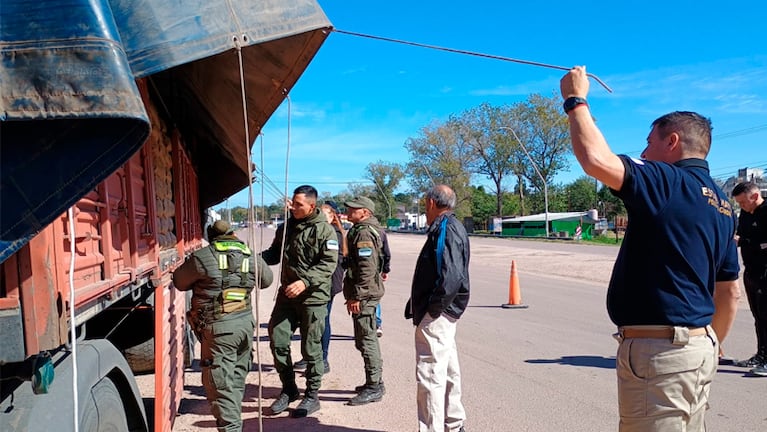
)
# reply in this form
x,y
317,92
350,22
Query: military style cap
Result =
x,y
219,228
361,202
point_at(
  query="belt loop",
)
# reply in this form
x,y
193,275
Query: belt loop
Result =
x,y
618,335
681,336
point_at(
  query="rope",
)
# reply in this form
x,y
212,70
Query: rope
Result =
x,y
72,323
472,53
252,235
285,193
251,218
251,228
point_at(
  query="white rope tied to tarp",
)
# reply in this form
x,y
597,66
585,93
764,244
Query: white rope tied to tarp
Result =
x,y
251,228
251,218
72,324
287,206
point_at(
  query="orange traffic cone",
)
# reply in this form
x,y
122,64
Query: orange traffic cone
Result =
x,y
515,296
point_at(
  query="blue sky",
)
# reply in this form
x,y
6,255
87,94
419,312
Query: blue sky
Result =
x,y
361,99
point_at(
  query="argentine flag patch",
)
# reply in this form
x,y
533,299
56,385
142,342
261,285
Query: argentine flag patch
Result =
x,y
332,244
365,252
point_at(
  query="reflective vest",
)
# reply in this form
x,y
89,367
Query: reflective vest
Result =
x,y
228,264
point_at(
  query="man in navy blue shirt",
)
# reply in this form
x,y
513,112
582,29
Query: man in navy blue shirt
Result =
x,y
673,292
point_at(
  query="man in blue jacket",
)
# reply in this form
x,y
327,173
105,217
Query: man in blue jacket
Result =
x,y
439,296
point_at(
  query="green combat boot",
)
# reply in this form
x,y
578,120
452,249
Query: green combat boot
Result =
x,y
369,393
287,396
362,386
310,404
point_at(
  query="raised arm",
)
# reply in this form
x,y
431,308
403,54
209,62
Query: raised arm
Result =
x,y
589,145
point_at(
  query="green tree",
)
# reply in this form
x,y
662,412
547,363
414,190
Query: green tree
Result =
x,y
539,127
479,128
609,205
581,194
482,205
386,177
511,204
239,214
438,156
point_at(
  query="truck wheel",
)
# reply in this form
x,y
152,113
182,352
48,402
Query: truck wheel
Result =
x,y
141,357
104,411
189,342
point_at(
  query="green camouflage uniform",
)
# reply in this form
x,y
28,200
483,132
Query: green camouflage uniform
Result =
x,y
363,282
311,255
221,277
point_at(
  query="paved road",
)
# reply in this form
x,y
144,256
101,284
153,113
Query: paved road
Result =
x,y
546,368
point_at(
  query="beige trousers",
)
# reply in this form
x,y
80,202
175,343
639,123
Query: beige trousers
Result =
x,y
438,376
663,385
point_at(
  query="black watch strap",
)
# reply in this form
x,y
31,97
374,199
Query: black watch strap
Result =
x,y
572,102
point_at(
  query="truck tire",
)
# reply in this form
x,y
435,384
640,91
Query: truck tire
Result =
x,y
189,343
141,357
104,411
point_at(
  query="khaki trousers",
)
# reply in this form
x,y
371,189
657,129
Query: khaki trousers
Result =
x,y
438,375
664,384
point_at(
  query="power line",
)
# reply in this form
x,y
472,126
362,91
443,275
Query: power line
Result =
x,y
741,132
726,135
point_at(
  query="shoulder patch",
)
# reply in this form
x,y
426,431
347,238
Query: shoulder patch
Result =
x,y
365,244
332,244
365,252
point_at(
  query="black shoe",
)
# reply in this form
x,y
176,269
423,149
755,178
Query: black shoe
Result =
x,y
370,393
760,371
310,404
299,365
360,387
284,399
755,360
327,367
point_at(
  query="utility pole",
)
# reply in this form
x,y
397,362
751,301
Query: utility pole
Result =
x,y
537,171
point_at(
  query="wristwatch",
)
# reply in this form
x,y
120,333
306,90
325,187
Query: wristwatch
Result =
x,y
572,102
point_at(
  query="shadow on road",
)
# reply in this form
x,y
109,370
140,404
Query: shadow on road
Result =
x,y
589,361
296,336
740,371
306,424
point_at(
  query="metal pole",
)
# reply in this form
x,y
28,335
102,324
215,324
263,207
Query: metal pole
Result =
x,y
386,198
417,215
537,171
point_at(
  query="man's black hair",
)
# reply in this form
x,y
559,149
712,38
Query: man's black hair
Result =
x,y
307,190
744,187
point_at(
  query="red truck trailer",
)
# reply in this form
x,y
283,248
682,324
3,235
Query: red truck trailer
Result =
x,y
121,122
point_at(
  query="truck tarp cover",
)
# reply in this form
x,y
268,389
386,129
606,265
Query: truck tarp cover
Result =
x,y
71,112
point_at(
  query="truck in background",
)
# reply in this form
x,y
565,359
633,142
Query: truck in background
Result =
x,y
128,115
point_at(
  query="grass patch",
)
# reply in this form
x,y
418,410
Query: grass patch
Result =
x,y
605,240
